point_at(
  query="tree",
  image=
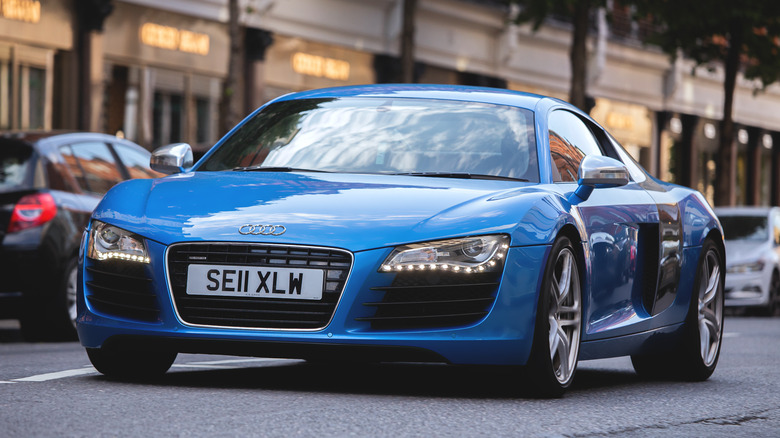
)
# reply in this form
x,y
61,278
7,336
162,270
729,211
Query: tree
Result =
x,y
578,11
741,36
407,41
231,103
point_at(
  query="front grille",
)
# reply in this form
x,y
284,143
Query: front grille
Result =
x,y
121,289
254,312
433,300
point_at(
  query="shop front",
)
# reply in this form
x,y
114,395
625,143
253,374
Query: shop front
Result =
x,y
163,75
630,124
296,64
34,37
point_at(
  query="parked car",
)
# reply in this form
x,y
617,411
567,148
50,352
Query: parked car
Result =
x,y
753,257
406,223
49,184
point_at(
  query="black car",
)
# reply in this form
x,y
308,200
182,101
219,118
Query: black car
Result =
x,y
49,184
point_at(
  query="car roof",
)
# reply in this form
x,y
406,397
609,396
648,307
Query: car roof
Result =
x,y
53,138
31,136
426,91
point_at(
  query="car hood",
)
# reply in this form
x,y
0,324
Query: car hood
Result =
x,y
745,251
350,211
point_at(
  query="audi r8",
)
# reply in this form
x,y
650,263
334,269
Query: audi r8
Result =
x,y
417,223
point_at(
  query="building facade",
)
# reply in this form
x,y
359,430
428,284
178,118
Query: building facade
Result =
x,y
153,72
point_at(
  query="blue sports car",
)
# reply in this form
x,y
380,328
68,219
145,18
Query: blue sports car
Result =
x,y
416,223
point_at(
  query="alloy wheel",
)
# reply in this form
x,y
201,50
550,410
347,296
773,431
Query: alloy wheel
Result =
x,y
710,308
565,315
71,289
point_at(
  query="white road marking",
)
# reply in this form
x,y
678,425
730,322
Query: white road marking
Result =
x,y
58,375
230,361
209,365
730,335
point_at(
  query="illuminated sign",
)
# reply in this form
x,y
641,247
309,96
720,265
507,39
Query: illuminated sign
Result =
x,y
21,10
171,38
319,66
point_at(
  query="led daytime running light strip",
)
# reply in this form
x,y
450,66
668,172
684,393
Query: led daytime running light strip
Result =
x,y
121,256
448,267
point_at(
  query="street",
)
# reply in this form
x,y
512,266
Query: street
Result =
x,y
51,390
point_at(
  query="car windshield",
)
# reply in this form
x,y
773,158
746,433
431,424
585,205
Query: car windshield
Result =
x,y
752,228
14,166
392,136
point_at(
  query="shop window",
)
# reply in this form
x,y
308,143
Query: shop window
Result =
x,y
766,173
5,95
168,114
25,97
36,96
202,107
177,117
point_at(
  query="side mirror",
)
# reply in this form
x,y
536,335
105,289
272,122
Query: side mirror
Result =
x,y
600,172
173,158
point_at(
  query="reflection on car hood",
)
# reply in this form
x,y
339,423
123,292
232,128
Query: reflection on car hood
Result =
x,y
745,251
340,210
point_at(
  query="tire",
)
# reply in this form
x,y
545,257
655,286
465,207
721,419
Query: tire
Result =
x,y
558,328
49,314
131,363
697,355
773,308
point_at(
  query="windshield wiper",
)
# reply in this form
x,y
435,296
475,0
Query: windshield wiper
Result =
x,y
463,175
275,169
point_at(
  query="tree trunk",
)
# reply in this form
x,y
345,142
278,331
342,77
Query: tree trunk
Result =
x,y
726,176
231,105
407,41
578,55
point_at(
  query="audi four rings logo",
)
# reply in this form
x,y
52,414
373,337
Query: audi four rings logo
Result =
x,y
262,230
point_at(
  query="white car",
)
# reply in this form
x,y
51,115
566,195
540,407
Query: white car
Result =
x,y
752,257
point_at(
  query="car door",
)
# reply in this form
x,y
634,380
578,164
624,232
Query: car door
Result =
x,y
621,225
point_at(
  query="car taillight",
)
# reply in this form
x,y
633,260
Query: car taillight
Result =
x,y
32,211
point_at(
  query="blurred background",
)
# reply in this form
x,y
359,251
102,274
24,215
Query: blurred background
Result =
x,y
693,100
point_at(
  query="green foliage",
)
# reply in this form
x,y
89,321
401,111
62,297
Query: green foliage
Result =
x,y
704,31
536,11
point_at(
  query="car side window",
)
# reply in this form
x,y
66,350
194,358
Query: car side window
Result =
x,y
136,162
570,141
93,165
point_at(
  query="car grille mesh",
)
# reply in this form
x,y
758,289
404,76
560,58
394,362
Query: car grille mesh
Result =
x,y
428,300
121,289
251,312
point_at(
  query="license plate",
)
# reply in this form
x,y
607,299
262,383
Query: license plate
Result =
x,y
255,282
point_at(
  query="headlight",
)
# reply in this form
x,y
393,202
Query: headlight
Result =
x,y
110,242
746,267
466,255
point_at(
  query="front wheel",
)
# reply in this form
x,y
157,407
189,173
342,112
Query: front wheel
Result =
x,y
558,327
131,363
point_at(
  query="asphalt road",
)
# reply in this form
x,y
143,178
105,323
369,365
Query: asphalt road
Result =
x,y
51,390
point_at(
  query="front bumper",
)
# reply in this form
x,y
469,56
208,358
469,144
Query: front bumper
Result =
x,y
747,289
503,337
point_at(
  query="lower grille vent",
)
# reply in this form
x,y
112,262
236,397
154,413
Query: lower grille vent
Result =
x,y
121,289
425,300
